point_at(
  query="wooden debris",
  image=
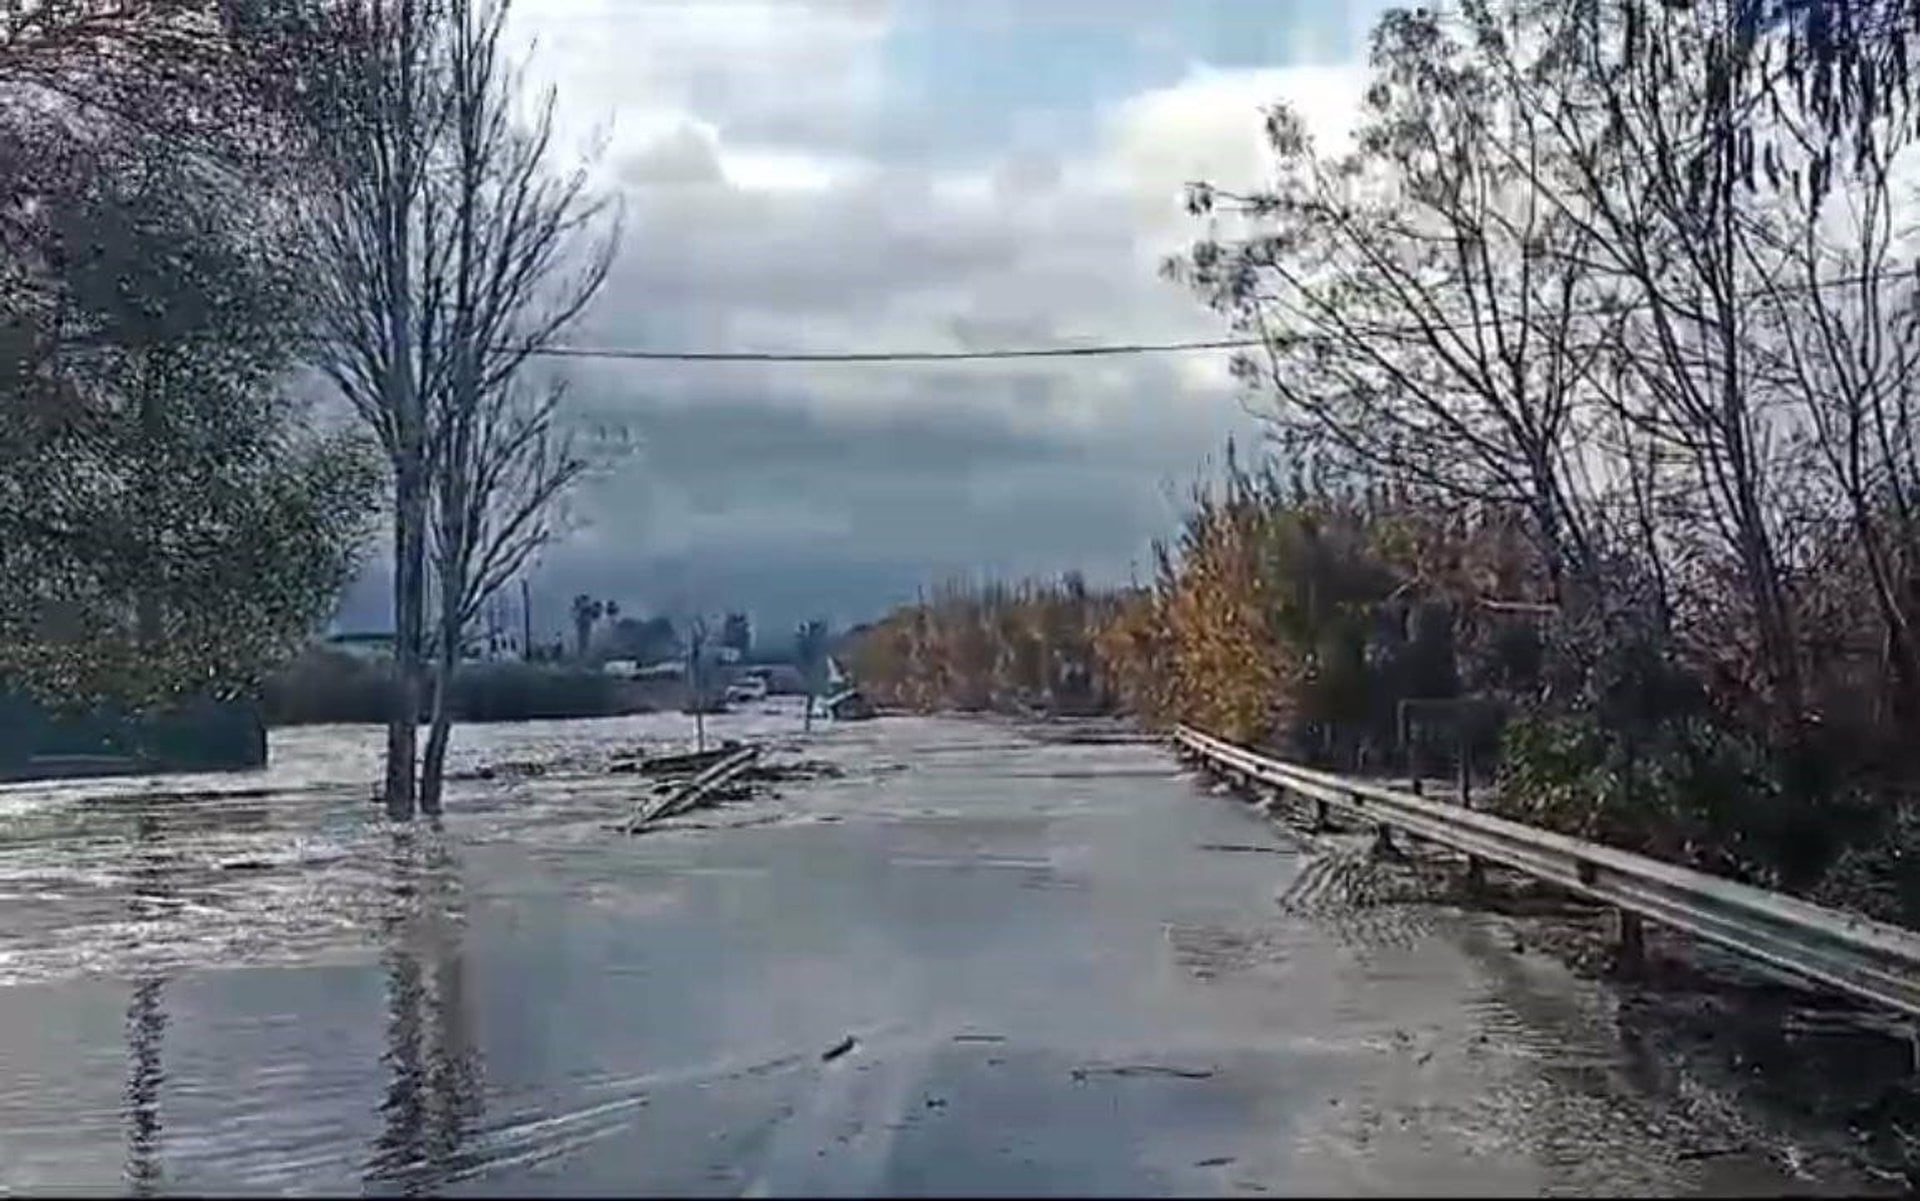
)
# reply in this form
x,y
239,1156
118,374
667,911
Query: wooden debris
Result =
x,y
676,801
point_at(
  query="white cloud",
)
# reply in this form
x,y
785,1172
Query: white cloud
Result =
x,y
804,63
783,171
1210,127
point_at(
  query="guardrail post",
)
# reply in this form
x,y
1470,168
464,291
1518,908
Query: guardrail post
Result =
x,y
1476,867
1466,774
1322,817
1419,789
1633,941
1383,847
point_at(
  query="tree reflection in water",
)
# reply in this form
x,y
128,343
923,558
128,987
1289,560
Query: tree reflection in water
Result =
x,y
434,1094
146,1018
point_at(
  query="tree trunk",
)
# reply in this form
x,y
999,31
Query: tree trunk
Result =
x,y
149,620
409,587
411,493
433,769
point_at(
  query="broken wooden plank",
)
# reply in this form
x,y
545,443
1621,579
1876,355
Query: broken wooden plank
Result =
x,y
686,761
690,794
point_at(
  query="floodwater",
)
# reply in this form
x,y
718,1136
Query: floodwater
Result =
x,y
982,959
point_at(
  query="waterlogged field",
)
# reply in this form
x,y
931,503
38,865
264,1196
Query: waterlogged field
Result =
x,y
971,958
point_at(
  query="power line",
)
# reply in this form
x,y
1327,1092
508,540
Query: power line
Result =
x,y
900,356
1610,308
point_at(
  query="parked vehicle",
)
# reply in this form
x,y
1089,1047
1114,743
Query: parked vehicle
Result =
x,y
747,690
846,705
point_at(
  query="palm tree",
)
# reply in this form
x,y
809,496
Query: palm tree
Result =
x,y
587,611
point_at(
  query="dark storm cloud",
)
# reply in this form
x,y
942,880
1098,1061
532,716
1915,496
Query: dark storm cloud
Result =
x,y
817,175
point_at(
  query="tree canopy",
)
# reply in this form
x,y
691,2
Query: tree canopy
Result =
x,y
172,519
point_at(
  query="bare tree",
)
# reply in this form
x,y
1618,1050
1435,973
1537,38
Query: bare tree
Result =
x,y
1839,324
380,115
521,263
1419,303
451,255
1611,265
1657,135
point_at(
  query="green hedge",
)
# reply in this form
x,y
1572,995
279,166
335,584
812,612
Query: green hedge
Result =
x,y
329,687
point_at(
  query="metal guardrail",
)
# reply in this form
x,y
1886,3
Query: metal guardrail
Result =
x,y
683,798
1870,960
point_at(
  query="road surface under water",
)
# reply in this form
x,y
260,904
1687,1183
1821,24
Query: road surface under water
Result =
x,y
982,960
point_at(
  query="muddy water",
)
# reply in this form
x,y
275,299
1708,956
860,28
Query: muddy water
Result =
x,y
981,961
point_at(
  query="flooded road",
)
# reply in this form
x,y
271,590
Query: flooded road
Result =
x,y
979,960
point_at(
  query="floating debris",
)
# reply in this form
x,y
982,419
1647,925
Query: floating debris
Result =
x,y
1145,1069
685,762
704,788
805,769
839,1049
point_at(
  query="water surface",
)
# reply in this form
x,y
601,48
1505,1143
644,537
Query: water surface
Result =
x,y
982,959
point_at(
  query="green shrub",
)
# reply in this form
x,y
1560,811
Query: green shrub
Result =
x,y
1692,791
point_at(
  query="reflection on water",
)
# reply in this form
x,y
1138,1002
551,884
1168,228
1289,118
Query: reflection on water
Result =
x,y
146,1023
434,1084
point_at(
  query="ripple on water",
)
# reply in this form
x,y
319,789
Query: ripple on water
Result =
x,y
124,875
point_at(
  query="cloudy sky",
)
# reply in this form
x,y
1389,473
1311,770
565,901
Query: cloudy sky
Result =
x,y
833,175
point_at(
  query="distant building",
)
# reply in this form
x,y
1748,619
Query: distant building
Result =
x,y
377,647
368,647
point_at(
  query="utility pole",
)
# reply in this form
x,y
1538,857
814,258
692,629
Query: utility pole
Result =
x,y
526,622
696,648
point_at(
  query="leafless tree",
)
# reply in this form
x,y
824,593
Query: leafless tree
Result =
x,y
1662,196
1420,306
1606,264
380,116
1839,316
454,253
1683,154
525,252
